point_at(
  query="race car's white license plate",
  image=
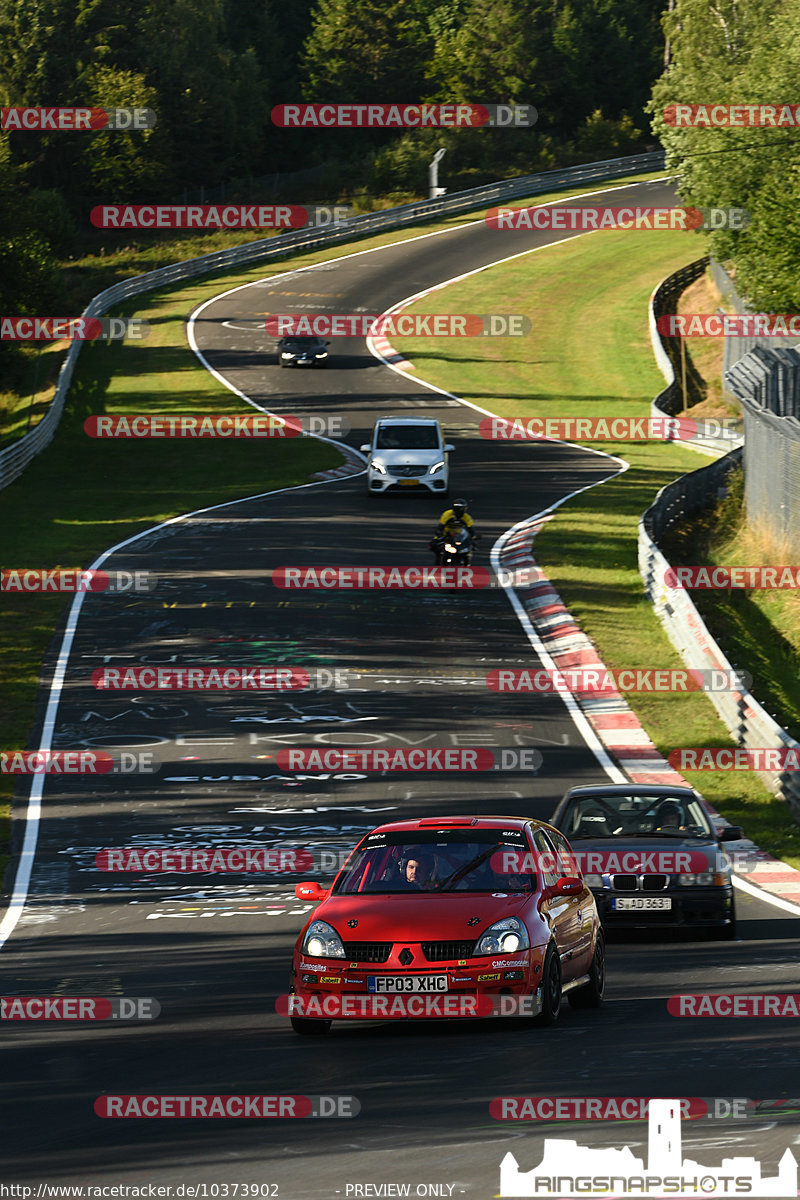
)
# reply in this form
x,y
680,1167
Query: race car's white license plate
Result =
x,y
407,983
648,903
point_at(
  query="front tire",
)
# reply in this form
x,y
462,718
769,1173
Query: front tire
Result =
x,y
591,994
551,988
308,1027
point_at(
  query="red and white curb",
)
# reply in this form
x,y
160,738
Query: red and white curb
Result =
x,y
387,352
613,721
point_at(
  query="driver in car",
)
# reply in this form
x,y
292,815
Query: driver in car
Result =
x,y
417,871
670,816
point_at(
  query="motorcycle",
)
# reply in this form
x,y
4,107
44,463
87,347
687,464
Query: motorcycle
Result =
x,y
453,548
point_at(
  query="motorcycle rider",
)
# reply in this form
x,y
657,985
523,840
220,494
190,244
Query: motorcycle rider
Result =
x,y
456,515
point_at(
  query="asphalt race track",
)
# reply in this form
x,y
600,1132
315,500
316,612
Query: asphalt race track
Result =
x,y
214,950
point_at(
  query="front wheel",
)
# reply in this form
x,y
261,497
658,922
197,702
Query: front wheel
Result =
x,y
591,994
308,1027
551,988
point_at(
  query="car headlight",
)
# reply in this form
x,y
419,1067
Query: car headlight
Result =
x,y
706,879
321,354
287,354
504,937
439,466
593,881
322,941
378,466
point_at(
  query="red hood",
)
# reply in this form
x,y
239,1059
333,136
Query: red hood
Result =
x,y
402,918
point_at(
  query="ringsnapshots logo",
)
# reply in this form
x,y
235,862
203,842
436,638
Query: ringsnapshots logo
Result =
x,y
73,329
587,218
69,580
404,116
598,681
195,1107
222,425
604,429
732,116
60,120
78,1008
216,216
569,1169
362,325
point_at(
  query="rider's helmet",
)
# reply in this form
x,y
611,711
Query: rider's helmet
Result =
x,y
459,508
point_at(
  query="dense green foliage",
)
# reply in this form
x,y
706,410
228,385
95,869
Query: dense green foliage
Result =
x,y
739,52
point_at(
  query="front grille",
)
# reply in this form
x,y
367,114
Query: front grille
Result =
x,y
369,952
409,472
654,883
639,883
444,951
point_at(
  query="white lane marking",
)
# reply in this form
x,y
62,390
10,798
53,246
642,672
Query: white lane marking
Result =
x,y
776,901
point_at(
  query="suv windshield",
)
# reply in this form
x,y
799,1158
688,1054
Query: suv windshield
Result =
x,y
456,860
407,437
605,816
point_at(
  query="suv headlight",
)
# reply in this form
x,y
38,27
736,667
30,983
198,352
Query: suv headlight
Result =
x,y
439,466
504,937
322,941
378,466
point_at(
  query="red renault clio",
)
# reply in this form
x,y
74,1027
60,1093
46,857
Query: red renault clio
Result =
x,y
449,917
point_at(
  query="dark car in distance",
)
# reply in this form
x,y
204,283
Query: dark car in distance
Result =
x,y
651,856
302,352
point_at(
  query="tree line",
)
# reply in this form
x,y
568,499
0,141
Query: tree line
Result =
x,y
213,69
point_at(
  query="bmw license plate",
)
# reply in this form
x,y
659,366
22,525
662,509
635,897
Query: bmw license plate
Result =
x,y
409,483
407,983
636,903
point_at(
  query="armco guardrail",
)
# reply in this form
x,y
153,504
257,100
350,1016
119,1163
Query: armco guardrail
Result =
x,y
15,458
747,721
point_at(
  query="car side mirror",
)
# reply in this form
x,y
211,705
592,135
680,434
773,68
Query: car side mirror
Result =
x,y
732,833
449,449
327,343
310,890
365,449
569,885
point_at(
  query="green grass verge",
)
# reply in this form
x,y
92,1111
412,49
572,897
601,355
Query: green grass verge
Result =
x,y
589,355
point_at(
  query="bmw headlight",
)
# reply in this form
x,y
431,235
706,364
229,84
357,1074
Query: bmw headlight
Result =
x,y
322,941
593,881
378,466
439,466
706,879
504,937
287,354
321,354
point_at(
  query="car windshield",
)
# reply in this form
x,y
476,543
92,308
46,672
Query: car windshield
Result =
x,y
456,860
609,815
407,437
302,343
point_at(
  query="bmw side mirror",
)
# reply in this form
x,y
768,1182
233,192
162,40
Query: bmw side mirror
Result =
x,y
732,833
